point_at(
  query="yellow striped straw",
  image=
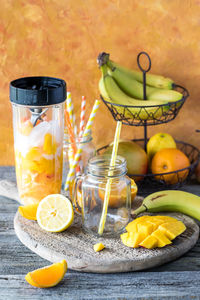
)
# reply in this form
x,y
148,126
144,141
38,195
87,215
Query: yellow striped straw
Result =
x,y
71,173
70,109
109,181
70,156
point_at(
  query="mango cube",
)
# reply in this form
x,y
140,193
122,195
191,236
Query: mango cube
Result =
x,y
49,146
145,227
171,230
131,239
161,238
133,225
150,242
98,247
166,219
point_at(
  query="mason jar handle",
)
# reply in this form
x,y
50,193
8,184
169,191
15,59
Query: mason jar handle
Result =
x,y
76,195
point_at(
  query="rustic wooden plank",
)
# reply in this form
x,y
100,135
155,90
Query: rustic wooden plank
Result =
x,y
139,285
25,260
76,246
10,245
16,260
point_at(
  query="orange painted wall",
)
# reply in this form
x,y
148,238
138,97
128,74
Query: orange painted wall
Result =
x,y
63,38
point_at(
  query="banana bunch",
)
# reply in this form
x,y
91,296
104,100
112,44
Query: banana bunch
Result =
x,y
122,86
170,200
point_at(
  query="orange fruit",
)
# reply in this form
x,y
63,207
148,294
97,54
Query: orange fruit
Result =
x,y
28,211
118,196
170,160
48,276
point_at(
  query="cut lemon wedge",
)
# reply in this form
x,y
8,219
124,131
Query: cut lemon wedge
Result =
x,y
48,276
55,213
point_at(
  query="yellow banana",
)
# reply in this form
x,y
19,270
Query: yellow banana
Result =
x,y
169,200
156,81
113,94
134,88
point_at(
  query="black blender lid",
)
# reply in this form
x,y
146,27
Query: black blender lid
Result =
x,y
38,91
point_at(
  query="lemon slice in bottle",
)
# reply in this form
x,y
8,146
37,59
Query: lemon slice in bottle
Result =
x,y
55,213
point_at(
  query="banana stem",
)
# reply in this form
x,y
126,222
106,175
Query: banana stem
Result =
x,y
104,70
139,210
102,58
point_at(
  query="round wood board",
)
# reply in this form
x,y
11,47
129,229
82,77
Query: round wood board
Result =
x,y
76,247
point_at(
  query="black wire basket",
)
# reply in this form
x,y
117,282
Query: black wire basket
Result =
x,y
147,115
150,183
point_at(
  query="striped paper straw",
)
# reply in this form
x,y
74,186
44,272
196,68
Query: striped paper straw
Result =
x,y
70,156
71,136
70,109
82,122
71,173
109,181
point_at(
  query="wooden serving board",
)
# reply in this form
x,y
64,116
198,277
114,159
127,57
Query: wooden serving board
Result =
x,y
76,246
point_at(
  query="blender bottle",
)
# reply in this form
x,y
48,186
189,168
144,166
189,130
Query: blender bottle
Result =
x,y
38,107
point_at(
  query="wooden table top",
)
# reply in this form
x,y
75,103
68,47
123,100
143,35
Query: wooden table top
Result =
x,y
176,280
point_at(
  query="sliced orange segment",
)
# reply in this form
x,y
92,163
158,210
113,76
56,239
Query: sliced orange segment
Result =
x,y
48,276
28,211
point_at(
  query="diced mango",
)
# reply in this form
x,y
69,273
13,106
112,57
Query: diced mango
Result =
x,y
155,223
49,146
152,231
131,239
150,242
166,219
161,238
98,247
133,225
171,230
145,227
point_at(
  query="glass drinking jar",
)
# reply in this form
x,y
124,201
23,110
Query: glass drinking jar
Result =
x,y
88,152
89,193
38,123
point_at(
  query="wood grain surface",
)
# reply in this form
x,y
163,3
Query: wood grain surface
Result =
x,y
179,279
76,246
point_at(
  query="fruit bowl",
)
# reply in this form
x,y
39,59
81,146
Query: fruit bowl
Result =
x,y
150,183
148,115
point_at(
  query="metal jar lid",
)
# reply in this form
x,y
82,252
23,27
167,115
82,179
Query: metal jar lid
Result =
x,y
38,91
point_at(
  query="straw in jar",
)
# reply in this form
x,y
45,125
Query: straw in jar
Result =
x,y
71,173
109,181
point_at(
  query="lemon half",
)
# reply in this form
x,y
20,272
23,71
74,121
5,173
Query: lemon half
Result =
x,y
55,213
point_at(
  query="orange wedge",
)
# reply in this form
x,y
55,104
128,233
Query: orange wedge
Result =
x,y
28,211
48,276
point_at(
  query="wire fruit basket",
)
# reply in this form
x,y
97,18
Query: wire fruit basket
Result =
x,y
149,116
149,183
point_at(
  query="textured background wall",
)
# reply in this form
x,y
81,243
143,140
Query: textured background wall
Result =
x,y
63,38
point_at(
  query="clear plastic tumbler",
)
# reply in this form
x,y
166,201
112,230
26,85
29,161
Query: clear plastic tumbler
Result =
x,y
38,123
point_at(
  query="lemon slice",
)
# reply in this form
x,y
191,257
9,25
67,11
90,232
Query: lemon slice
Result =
x,y
55,213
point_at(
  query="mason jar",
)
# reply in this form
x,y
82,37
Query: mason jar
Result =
x,y
38,123
89,196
